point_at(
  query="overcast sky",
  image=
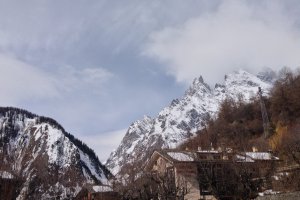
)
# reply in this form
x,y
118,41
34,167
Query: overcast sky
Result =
x,y
96,66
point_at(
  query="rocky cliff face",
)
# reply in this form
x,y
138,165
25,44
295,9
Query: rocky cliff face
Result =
x,y
50,162
183,117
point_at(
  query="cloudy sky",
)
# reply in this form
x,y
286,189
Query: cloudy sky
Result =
x,y
96,66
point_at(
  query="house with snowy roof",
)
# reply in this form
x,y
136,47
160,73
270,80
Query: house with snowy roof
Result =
x,y
8,185
97,192
261,163
182,165
204,172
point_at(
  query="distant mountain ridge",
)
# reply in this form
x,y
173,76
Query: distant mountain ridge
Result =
x,y
183,117
50,162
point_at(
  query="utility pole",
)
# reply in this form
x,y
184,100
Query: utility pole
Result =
x,y
265,118
1,147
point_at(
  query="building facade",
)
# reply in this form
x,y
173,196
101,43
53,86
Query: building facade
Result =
x,y
212,174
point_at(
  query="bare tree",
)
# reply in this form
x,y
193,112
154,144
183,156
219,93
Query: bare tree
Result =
x,y
151,185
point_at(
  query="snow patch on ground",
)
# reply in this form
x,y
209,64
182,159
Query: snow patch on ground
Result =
x,y
59,148
268,192
90,165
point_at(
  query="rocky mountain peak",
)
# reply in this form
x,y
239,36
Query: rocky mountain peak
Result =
x,y
198,86
267,75
198,80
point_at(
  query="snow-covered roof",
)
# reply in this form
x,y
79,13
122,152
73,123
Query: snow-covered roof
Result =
x,y
181,156
261,156
6,175
254,156
102,188
243,158
191,156
171,156
97,188
208,151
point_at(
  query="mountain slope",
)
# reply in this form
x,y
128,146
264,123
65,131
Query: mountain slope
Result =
x,y
49,161
183,117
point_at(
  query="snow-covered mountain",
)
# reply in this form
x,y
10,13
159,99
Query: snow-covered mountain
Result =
x,y
49,162
183,117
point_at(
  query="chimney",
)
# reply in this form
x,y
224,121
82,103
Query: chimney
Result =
x,y
254,149
270,151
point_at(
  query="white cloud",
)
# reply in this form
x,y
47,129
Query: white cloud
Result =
x,y
20,81
70,78
95,74
103,144
237,35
